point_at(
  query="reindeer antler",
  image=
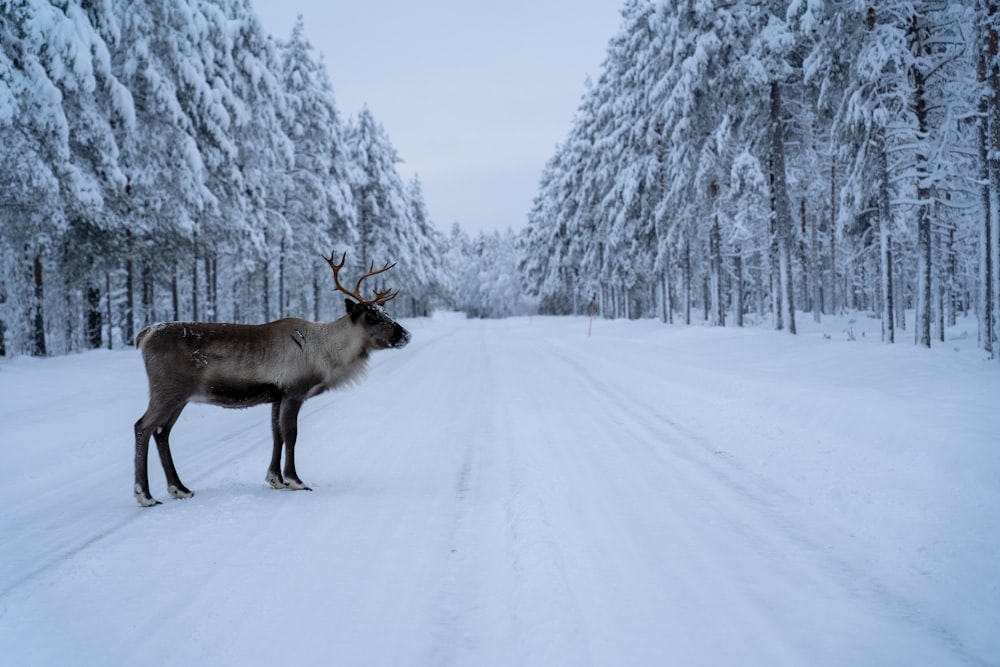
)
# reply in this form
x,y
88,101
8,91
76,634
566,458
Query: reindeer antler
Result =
x,y
380,297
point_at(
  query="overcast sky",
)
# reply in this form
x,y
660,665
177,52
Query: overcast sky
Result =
x,y
474,96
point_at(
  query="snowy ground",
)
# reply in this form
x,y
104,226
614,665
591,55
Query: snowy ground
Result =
x,y
516,493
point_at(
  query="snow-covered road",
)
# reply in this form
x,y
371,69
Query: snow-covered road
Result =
x,y
516,493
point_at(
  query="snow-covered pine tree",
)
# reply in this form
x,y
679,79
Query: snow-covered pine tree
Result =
x,y
64,101
257,224
419,270
541,238
940,72
625,183
379,195
311,123
93,101
167,179
36,138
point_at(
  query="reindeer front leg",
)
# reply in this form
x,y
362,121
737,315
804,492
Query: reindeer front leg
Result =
x,y
288,422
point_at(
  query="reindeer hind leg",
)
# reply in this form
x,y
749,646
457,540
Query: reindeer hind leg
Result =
x,y
274,478
143,430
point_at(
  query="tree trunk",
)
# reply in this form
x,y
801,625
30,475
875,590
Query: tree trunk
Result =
x,y
989,216
282,306
815,268
194,278
804,297
718,317
664,315
668,288
129,290
93,319
759,286
989,147
951,279
210,313
111,316
215,287
782,206
774,279
940,280
38,316
71,308
238,301
899,287
267,287
706,297
738,288
686,268
147,295
316,297
923,197
885,239
831,299
571,281
175,296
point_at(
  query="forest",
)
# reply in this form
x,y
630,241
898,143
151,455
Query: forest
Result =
x,y
750,161
168,160
737,163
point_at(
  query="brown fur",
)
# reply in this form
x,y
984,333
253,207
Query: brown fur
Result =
x,y
240,365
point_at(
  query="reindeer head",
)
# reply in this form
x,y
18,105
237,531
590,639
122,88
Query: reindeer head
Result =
x,y
382,331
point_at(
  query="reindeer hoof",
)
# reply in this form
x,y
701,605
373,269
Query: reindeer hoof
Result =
x,y
275,480
296,485
179,492
143,498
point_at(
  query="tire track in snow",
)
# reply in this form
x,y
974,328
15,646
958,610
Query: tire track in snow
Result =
x,y
766,503
632,559
505,591
87,535
545,614
457,606
65,555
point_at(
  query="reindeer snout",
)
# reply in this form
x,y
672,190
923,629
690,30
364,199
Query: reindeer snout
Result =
x,y
400,338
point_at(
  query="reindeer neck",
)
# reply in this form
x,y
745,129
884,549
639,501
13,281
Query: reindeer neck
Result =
x,y
344,343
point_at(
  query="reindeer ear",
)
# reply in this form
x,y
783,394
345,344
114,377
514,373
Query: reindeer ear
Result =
x,y
352,309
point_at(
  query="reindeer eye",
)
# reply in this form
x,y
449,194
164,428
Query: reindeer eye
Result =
x,y
371,318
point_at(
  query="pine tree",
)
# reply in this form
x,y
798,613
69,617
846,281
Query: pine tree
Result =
x,y
168,182
64,102
312,124
419,256
379,196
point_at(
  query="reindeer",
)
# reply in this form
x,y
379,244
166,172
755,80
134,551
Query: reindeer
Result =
x,y
282,363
